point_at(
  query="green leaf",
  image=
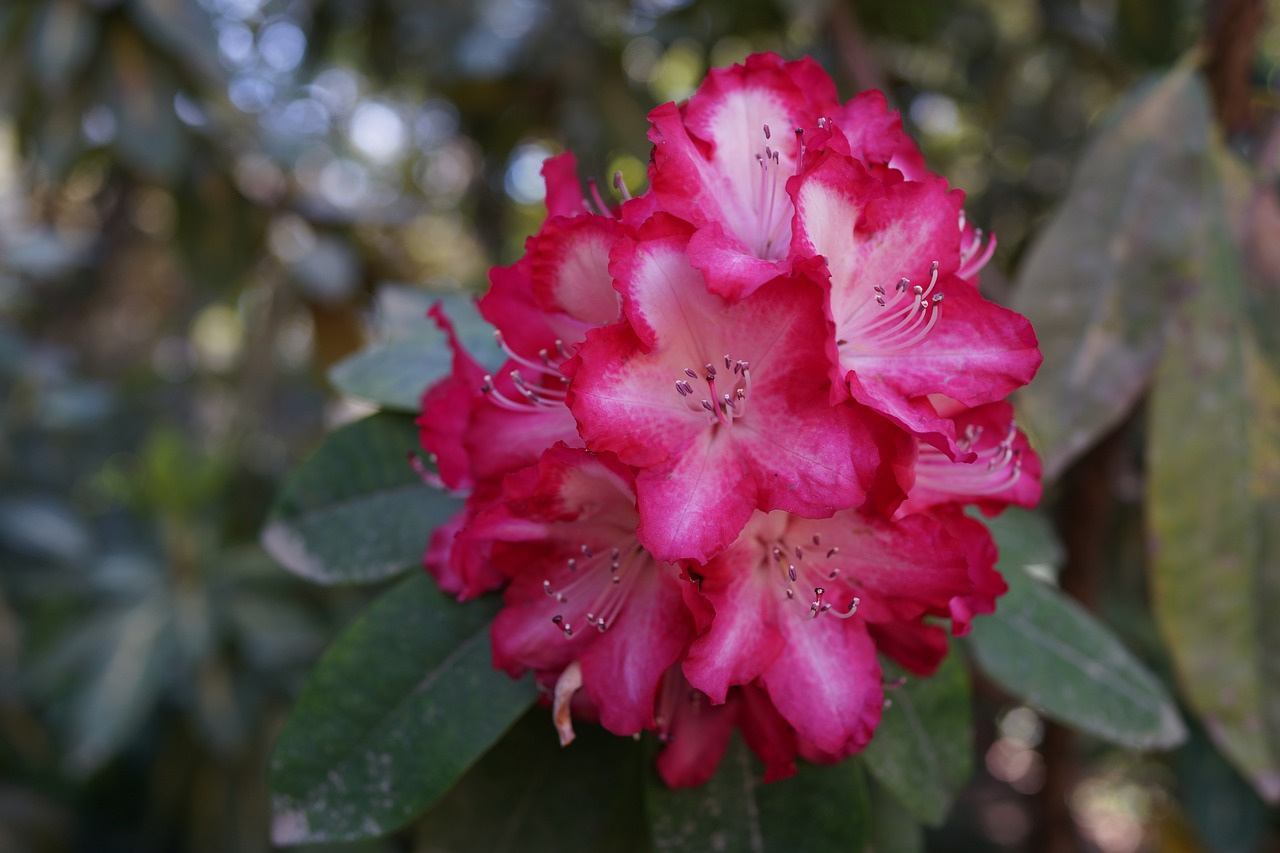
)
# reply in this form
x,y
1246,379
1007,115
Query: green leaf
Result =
x,y
394,374
578,797
397,710
1214,496
1026,538
411,353
892,829
356,511
820,808
923,748
1045,649
1100,281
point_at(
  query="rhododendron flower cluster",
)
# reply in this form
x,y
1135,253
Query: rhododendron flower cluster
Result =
x,y
724,467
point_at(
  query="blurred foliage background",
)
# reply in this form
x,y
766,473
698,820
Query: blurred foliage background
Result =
x,y
199,200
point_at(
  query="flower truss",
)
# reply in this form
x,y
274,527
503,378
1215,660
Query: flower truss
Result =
x,y
723,469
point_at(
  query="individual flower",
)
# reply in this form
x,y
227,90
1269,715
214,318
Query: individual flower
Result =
x,y
1005,469
721,162
723,408
582,589
890,251
798,604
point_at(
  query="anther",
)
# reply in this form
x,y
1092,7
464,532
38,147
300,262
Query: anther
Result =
x,y
706,404
791,572
835,550
621,186
766,131
688,371
711,371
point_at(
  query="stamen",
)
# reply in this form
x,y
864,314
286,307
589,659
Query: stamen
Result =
x,y
621,186
912,312
601,207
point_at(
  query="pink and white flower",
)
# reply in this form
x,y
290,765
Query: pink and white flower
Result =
x,y
725,466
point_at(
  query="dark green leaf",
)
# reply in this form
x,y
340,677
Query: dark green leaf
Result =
x,y
1100,282
820,808
411,352
892,829
1045,649
356,511
397,710
552,798
1226,812
1026,538
1214,494
923,748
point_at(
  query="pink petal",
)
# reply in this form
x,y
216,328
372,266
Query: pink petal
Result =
x,y
770,737
564,193
743,639
916,646
826,683
570,268
694,737
988,585
875,136
446,410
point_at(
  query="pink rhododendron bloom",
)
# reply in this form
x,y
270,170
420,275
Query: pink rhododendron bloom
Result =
x,y
724,408
724,469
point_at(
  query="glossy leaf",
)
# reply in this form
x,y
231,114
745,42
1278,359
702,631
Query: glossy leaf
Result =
x,y
396,711
410,352
1214,494
1100,282
818,808
1047,650
356,511
922,751
583,797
